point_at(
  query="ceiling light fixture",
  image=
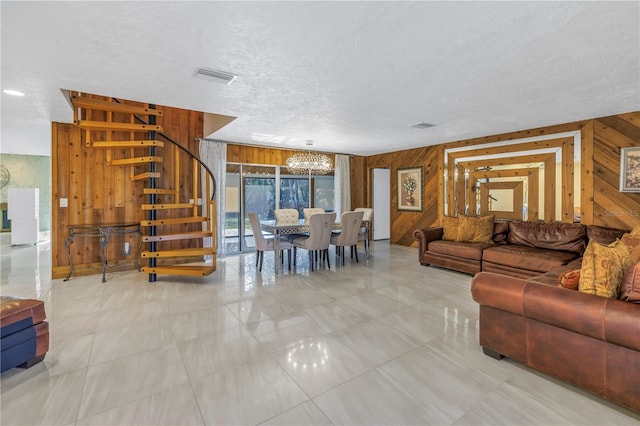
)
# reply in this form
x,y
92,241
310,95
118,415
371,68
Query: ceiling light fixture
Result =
x,y
13,92
224,76
422,125
309,163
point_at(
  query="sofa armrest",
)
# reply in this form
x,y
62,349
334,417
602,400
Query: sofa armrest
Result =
x,y
498,291
426,235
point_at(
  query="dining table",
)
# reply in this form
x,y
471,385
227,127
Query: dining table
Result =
x,y
279,229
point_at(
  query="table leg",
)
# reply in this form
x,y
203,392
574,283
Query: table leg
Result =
x,y
104,241
276,248
67,241
139,234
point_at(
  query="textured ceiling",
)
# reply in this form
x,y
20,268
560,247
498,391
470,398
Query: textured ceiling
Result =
x,y
352,76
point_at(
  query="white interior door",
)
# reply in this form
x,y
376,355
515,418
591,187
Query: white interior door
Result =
x,y
381,204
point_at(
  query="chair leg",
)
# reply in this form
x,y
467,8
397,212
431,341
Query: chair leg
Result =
x,y
355,249
311,260
342,249
261,258
257,257
289,258
295,257
328,261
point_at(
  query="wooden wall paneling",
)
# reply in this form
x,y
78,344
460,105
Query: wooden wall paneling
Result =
x,y
517,147
610,206
567,182
550,189
433,181
586,174
439,170
470,195
540,131
533,198
461,202
404,223
509,161
451,187
59,187
358,179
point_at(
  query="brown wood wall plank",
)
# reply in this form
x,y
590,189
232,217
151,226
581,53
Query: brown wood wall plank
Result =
x,y
610,206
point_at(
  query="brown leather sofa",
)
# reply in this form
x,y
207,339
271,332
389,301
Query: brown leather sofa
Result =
x,y
589,341
518,248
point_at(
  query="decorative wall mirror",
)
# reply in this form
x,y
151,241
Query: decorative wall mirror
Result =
x,y
534,176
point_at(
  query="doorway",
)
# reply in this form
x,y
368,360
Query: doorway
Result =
x,y
381,204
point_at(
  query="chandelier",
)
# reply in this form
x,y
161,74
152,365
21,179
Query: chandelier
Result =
x,y
309,163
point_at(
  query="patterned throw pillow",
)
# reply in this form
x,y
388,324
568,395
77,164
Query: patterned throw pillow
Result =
x,y
475,229
633,242
603,268
450,228
569,279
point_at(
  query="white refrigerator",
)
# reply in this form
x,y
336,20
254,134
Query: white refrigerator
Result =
x,y
23,211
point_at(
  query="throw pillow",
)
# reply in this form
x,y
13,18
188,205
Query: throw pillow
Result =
x,y
630,289
569,279
633,242
603,269
450,228
475,229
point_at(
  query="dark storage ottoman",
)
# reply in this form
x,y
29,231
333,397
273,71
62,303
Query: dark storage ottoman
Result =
x,y
24,334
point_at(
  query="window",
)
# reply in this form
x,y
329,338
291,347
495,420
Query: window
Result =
x,y
257,189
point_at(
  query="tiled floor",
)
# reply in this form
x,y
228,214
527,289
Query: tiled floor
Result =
x,y
385,341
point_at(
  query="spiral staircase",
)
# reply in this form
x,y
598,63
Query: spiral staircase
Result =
x,y
179,225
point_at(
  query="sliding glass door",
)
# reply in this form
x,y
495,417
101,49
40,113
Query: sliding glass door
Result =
x,y
260,190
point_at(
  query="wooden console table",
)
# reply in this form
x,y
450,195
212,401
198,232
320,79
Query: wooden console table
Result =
x,y
104,232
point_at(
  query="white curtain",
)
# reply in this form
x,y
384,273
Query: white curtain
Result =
x,y
342,185
214,155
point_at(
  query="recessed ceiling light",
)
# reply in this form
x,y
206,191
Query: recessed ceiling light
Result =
x,y
13,92
422,125
224,76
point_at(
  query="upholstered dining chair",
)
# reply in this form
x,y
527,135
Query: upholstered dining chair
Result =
x,y
365,232
320,228
267,243
286,216
348,236
308,212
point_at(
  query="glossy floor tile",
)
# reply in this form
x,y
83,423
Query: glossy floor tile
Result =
x,y
383,341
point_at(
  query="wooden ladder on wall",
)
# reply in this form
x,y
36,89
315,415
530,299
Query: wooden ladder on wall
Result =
x,y
179,227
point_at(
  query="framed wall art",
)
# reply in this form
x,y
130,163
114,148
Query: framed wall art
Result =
x,y
410,189
630,170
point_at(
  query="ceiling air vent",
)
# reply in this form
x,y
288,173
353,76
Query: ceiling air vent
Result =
x,y
222,76
423,125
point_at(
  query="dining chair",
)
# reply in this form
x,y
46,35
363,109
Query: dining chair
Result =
x,y
267,243
308,212
286,216
320,228
365,231
348,236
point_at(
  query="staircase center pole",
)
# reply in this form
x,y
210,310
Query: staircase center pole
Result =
x,y
152,197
